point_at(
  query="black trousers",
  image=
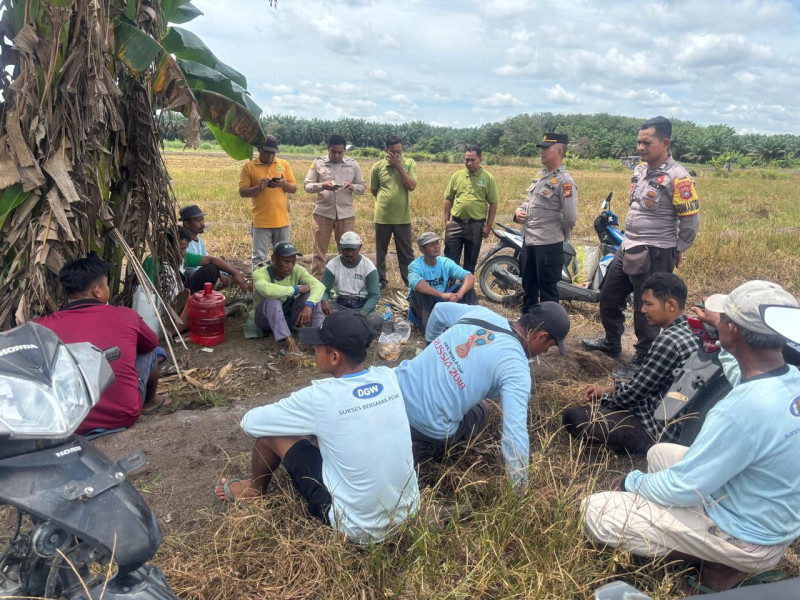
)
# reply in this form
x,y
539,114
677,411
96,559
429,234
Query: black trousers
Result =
x,y
197,280
614,295
620,430
541,271
402,243
466,236
422,304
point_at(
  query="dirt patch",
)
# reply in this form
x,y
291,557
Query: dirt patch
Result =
x,y
189,450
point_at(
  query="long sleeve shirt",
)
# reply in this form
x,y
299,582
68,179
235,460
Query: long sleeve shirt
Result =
x,y
360,281
463,365
283,289
334,204
642,393
742,468
551,208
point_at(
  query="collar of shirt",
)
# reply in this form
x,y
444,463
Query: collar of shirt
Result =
x,y
663,167
75,304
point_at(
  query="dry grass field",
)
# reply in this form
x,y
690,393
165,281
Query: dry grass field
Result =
x,y
508,545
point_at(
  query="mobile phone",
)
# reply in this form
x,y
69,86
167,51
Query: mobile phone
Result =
x,y
336,186
276,179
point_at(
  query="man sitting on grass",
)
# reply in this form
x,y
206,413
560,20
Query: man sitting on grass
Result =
x,y
361,479
352,279
625,418
477,354
728,502
87,317
431,280
286,295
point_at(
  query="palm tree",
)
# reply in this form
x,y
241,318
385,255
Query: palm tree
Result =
x,y
81,169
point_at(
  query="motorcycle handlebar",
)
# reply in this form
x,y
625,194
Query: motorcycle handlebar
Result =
x,y
112,354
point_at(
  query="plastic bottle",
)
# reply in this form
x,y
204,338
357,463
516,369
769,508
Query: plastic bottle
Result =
x,y
386,319
207,317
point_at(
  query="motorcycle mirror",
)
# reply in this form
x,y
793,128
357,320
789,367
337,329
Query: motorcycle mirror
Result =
x,y
784,320
606,204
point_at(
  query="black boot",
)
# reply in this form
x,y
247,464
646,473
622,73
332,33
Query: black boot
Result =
x,y
611,347
630,369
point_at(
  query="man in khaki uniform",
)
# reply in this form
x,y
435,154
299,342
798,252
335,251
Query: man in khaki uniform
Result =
x,y
335,179
470,203
548,216
661,225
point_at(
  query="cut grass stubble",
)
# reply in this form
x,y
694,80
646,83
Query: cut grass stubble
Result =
x,y
509,545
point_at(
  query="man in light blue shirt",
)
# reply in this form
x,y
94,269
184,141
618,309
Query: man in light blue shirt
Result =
x,y
433,278
731,499
476,354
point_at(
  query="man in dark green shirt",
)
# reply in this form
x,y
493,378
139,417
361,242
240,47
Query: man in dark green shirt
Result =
x,y
470,203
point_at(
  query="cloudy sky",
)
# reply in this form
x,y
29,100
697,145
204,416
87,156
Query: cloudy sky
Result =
x,y
467,62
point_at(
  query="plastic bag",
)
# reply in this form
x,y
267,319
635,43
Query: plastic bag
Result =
x,y
389,346
403,329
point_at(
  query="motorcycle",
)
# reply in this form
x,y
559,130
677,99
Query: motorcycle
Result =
x,y
700,383
501,275
76,514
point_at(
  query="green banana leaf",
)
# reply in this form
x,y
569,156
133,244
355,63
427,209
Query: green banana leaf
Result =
x,y
184,13
186,45
229,116
135,48
201,77
12,197
235,147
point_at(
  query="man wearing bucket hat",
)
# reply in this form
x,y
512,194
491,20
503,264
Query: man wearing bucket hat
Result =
x,y
433,278
730,500
475,354
351,281
267,180
360,479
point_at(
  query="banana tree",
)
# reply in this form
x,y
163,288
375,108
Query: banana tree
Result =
x,y
82,85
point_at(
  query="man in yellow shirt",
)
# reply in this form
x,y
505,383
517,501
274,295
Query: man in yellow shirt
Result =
x,y
267,180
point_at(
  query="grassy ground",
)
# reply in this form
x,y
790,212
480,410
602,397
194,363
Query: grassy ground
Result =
x,y
509,546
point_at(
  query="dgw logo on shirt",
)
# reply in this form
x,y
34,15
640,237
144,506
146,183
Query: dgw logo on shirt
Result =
x,y
368,390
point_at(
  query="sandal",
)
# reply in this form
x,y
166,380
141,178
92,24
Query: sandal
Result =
x,y
165,401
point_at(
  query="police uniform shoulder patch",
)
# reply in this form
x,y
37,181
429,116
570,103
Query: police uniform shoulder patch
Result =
x,y
313,166
684,197
566,190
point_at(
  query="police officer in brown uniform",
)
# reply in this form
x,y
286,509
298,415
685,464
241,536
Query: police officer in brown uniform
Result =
x,y
661,225
548,215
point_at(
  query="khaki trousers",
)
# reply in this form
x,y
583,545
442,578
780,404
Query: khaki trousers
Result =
x,y
645,528
321,228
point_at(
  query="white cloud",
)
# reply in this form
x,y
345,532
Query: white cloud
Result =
x,y
498,100
393,115
558,95
377,74
365,58
276,89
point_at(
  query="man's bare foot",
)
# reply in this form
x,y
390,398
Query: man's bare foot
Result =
x,y
159,402
235,490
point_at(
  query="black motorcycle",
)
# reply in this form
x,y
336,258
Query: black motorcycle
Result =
x,y
81,530
500,275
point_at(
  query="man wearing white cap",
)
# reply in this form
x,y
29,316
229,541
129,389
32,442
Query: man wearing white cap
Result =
x,y
351,281
730,500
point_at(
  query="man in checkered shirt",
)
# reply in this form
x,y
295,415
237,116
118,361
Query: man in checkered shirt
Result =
x,y
624,420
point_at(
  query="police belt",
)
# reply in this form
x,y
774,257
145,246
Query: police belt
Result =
x,y
466,221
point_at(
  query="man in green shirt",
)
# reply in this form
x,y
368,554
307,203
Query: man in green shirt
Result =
x,y
286,295
470,203
391,181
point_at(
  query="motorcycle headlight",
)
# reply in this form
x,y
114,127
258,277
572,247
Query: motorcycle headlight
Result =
x,y
29,409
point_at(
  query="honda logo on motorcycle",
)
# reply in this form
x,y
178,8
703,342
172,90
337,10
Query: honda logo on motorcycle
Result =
x,y
68,451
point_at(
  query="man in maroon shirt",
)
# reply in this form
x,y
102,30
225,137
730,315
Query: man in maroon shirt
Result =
x,y
87,317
